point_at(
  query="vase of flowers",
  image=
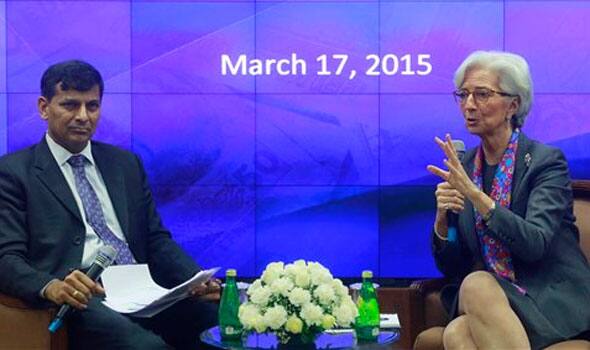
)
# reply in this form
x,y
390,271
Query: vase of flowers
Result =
x,y
297,302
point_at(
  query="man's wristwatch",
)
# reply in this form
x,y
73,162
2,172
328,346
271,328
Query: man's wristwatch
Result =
x,y
490,213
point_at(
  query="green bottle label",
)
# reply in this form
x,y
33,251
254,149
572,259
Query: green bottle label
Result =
x,y
375,332
229,330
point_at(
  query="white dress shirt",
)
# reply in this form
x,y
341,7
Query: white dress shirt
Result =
x,y
92,242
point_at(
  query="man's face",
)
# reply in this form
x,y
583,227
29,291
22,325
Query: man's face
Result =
x,y
71,116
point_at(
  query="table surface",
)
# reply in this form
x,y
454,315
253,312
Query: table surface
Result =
x,y
256,341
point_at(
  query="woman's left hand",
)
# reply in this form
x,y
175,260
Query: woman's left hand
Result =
x,y
456,175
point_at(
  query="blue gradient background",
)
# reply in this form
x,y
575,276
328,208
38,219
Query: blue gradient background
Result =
x,y
249,170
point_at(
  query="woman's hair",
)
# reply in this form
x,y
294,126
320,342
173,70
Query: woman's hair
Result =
x,y
513,73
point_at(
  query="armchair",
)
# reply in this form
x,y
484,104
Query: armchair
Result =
x,y
435,317
22,327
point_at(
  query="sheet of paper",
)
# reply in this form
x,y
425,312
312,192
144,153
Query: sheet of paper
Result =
x,y
121,281
387,321
131,290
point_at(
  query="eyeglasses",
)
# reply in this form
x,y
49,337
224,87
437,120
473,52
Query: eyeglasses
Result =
x,y
480,95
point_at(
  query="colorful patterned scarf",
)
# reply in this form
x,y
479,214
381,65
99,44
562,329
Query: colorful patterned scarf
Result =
x,y
496,256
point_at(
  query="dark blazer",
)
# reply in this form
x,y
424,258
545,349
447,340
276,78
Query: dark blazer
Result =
x,y
41,231
540,232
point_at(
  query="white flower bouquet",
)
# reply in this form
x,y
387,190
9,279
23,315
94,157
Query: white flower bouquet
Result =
x,y
300,299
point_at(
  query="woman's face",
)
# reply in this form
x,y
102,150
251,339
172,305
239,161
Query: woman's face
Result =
x,y
486,111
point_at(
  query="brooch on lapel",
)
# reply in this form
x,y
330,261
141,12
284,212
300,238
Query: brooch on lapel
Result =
x,y
528,159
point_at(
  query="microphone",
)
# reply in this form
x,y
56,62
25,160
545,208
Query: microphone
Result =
x,y
453,218
459,148
105,257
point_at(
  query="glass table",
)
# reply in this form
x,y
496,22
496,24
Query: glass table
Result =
x,y
344,340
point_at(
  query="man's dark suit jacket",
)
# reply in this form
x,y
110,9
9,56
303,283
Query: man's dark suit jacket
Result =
x,y
539,230
41,231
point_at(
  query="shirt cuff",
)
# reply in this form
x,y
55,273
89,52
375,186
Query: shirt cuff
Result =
x,y
42,291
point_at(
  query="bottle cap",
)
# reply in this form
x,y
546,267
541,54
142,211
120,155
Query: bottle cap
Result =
x,y
367,274
230,273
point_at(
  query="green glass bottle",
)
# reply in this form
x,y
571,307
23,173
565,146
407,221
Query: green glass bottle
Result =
x,y
367,322
229,323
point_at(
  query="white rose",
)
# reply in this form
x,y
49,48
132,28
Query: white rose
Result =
x,y
312,314
272,272
282,286
300,263
259,325
328,321
294,325
248,315
319,274
275,317
345,313
260,296
289,269
295,268
299,296
254,286
302,278
340,288
325,293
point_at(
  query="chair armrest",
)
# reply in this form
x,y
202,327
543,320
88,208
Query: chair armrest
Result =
x,y
403,301
434,313
12,302
429,285
23,327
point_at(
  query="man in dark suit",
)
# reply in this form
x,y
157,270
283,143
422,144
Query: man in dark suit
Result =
x,y
64,198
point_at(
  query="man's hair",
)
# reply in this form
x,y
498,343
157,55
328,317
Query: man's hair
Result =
x,y
73,74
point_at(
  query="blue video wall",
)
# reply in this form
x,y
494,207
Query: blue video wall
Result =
x,y
329,165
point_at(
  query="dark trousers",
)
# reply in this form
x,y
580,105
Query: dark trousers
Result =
x,y
177,327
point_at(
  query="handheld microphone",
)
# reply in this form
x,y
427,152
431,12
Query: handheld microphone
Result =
x,y
105,257
459,148
453,218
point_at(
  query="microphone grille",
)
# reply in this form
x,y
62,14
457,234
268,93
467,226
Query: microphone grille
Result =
x,y
105,256
459,146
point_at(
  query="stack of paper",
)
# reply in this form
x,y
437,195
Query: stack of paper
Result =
x,y
131,290
389,321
